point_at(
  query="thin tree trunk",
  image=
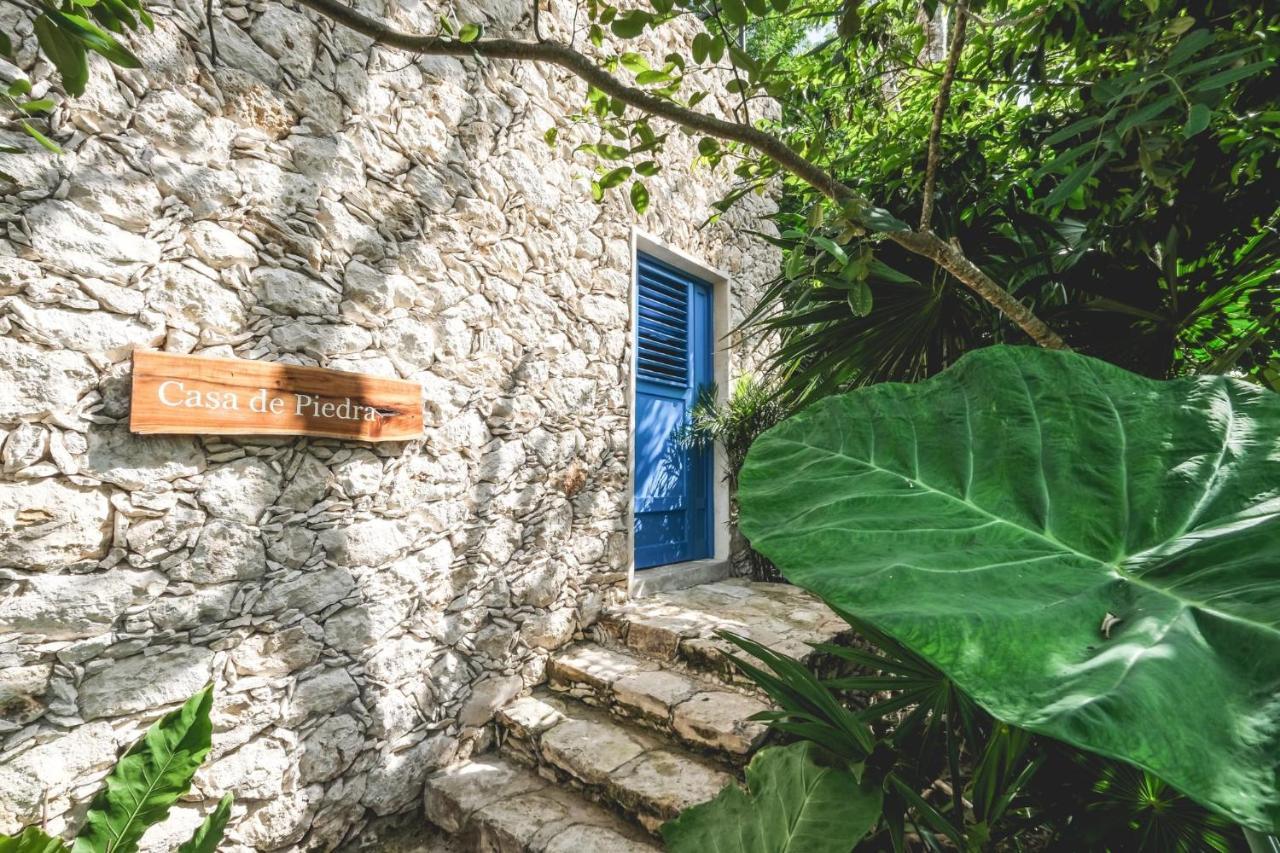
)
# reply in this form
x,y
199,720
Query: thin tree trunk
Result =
x,y
940,105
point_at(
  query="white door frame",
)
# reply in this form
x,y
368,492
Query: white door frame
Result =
x,y
698,571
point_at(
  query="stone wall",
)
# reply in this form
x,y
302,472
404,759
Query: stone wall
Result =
x,y
362,609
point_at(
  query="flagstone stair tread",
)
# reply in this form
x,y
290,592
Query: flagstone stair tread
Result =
x,y
645,718
637,772
492,804
702,714
679,627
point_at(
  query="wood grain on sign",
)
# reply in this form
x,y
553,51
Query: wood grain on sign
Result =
x,y
230,396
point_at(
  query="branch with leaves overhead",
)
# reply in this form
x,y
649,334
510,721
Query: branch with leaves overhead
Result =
x,y
67,35
851,204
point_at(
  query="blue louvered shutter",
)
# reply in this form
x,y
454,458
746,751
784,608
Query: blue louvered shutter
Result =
x,y
663,354
673,363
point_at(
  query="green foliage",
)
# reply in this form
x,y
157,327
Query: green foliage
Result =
x,y
148,779
953,777
66,35
209,832
801,801
1088,554
141,788
32,840
751,407
1109,163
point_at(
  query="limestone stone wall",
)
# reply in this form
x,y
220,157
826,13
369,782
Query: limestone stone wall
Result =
x,y
362,609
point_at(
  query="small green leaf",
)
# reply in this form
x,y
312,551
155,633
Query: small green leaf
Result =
x,y
95,38
796,263
597,192
470,33
648,78
605,151
735,12
1198,118
6,45
1180,25
639,197
708,146
41,138
1070,184
829,246
614,177
66,54
20,86
648,168
209,832
701,47
32,840
716,51
1231,75
859,297
881,221
1074,129
550,136
39,106
634,62
630,24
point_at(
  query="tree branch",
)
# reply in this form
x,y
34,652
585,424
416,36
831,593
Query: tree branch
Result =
x,y
940,104
557,53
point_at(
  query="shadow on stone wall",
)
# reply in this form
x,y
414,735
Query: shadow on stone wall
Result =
x,y
363,610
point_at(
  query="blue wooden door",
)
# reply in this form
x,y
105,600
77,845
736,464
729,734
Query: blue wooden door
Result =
x,y
673,512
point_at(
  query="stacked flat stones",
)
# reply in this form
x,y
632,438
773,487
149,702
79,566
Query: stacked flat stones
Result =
x,y
634,726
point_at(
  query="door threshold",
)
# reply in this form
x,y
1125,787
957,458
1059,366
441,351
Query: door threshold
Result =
x,y
645,582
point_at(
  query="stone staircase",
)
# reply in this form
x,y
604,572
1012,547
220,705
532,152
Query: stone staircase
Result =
x,y
638,722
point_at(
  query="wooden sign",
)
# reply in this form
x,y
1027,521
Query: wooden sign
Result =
x,y
230,396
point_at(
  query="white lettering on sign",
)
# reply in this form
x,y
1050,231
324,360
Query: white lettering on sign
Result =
x,y
175,394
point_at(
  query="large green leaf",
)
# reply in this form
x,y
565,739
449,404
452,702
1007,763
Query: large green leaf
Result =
x,y
32,840
798,804
151,776
995,517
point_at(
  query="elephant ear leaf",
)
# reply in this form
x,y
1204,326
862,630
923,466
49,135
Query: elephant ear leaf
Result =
x,y
1088,553
149,779
32,840
209,833
797,804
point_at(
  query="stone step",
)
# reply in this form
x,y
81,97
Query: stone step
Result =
x,y
704,715
494,806
638,773
678,627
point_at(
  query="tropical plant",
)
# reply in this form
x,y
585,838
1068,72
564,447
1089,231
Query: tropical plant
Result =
x,y
801,800
1112,164
141,788
948,775
752,407
1088,554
